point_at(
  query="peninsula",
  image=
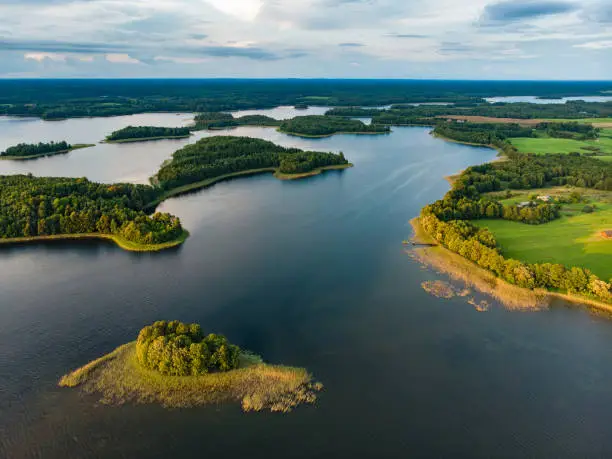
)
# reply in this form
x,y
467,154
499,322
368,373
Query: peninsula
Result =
x,y
538,222
25,151
177,365
48,208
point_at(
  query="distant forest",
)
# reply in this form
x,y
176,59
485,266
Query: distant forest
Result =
x,y
57,99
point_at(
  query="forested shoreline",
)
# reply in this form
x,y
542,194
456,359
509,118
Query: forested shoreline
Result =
x,y
448,220
43,206
324,125
38,207
36,150
216,156
136,133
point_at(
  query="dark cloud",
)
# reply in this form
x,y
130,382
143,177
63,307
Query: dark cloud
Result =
x,y
351,45
453,47
405,35
513,10
60,47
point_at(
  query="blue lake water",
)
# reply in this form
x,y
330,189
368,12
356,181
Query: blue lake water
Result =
x,y
309,273
536,100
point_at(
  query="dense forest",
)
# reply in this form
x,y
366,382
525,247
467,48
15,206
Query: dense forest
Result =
x,y
220,120
322,125
32,206
36,149
147,132
447,220
177,349
57,99
215,156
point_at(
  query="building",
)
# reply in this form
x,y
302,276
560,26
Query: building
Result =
x,y
545,198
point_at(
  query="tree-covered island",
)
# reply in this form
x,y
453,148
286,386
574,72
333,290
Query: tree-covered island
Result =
x,y
178,365
144,133
44,208
38,150
325,126
216,158
223,120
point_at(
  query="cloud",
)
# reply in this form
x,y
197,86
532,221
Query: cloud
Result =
x,y
606,44
520,10
59,47
121,59
278,38
406,35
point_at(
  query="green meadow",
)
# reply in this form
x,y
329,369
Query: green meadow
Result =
x,y
572,240
543,145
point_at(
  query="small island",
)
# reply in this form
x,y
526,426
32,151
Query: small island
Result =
x,y
223,120
38,150
326,126
223,157
147,133
177,365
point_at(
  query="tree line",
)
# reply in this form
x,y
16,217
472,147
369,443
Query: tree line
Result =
x,y
177,349
478,246
220,120
316,125
147,132
43,206
24,149
215,156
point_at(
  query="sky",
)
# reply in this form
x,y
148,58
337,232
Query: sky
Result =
x,y
454,39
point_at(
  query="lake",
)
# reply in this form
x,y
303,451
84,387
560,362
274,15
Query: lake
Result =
x,y
309,273
536,100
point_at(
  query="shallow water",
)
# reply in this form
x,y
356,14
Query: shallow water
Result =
x,y
309,273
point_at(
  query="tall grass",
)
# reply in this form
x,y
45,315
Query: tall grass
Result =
x,y
119,379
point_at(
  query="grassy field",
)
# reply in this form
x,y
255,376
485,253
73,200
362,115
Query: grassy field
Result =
x,y
119,379
543,145
573,240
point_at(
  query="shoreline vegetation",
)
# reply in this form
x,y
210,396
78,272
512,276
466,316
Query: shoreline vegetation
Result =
x,y
432,254
47,208
122,242
177,366
148,139
185,189
147,133
323,136
78,146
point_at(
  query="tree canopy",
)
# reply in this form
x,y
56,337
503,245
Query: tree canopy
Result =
x,y
36,149
177,349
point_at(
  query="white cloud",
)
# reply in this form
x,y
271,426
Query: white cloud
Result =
x,y
40,57
121,59
607,44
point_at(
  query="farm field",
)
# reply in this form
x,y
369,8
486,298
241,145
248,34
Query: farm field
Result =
x,y
543,145
572,240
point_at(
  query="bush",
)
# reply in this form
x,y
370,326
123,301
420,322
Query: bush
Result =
x,y
588,209
178,349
